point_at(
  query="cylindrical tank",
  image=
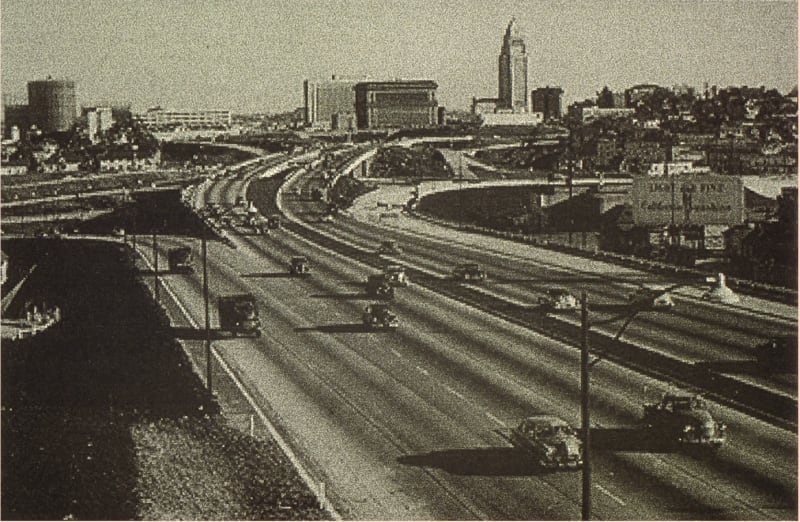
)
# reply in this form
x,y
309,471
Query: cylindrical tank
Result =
x,y
52,104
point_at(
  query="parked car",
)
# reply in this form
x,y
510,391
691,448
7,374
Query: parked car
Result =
x,y
559,299
396,275
685,420
651,297
378,315
326,218
299,265
552,441
389,247
778,354
469,272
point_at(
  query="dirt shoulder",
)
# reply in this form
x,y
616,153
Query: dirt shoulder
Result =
x,y
103,418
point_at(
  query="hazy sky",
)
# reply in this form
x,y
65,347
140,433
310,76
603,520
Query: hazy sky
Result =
x,y
253,55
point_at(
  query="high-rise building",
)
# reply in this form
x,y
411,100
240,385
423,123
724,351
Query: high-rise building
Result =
x,y
547,100
52,104
329,104
513,71
98,119
396,104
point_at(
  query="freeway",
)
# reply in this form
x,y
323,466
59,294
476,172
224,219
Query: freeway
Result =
x,y
709,336
411,424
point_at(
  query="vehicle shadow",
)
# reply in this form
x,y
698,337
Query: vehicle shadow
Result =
x,y
477,461
630,439
187,333
268,275
340,296
338,328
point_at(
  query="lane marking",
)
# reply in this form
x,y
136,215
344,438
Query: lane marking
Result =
x,y
610,495
454,392
498,421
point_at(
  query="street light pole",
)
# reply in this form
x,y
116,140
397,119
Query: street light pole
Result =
x,y
586,511
155,267
208,323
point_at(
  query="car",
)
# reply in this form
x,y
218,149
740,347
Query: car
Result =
x,y
299,265
396,275
378,315
469,272
389,247
274,221
651,297
684,420
327,218
378,286
778,354
551,440
559,299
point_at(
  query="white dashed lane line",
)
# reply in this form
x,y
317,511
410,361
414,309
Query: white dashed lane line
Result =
x,y
610,495
498,421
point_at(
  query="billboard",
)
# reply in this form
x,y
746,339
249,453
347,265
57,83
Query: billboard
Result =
x,y
699,199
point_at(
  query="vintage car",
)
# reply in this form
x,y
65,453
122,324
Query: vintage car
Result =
x,y
651,297
299,265
378,286
378,315
685,420
326,218
389,247
469,272
558,299
779,354
396,275
274,221
551,440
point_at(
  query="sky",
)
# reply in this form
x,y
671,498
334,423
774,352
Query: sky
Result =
x,y
253,55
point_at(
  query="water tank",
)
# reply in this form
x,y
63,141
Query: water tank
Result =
x,y
52,104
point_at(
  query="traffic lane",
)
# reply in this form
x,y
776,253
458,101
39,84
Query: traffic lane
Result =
x,y
362,344
522,253
317,414
636,407
718,343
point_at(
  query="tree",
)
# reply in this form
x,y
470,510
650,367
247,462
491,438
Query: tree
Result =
x,y
605,98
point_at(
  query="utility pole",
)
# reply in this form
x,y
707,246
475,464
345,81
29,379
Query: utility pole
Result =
x,y
586,511
155,267
208,323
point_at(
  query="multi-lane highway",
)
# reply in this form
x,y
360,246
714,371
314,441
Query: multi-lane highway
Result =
x,y
412,424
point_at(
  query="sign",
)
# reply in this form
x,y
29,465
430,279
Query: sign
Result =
x,y
699,199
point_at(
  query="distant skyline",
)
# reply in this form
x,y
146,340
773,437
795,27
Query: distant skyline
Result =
x,y
252,56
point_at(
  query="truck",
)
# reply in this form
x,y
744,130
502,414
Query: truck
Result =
x,y
378,315
238,314
181,260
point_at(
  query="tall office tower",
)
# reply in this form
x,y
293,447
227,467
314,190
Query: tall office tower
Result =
x,y
513,71
329,104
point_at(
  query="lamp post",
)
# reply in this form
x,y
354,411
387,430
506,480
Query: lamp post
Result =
x,y
207,321
586,507
155,267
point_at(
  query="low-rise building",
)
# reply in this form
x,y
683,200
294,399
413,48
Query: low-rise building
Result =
x,y
676,168
594,113
159,118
